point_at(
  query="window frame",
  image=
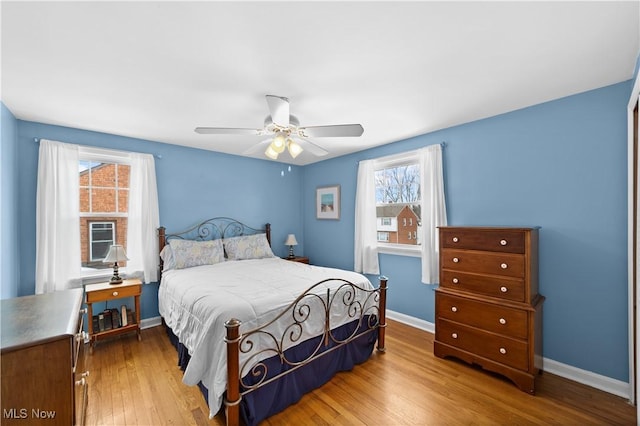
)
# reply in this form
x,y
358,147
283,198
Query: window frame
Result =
x,y
391,161
100,155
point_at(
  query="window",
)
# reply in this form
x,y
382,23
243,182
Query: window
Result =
x,y
398,199
104,202
386,221
383,236
71,190
394,184
101,236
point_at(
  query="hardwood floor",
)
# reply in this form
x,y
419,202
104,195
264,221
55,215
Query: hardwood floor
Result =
x,y
139,383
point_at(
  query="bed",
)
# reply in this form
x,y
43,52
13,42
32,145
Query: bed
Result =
x,y
254,331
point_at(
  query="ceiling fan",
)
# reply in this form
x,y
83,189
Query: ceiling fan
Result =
x,y
284,132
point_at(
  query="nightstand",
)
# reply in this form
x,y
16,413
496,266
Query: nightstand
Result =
x,y
300,259
104,292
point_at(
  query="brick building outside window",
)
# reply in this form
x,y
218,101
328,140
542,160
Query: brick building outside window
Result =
x,y
104,201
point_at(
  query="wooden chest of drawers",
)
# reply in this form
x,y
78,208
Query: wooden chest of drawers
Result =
x,y
43,377
488,310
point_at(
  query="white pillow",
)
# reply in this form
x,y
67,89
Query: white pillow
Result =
x,y
248,247
187,254
167,258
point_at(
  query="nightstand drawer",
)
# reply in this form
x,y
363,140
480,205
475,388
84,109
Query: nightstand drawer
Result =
x,y
116,292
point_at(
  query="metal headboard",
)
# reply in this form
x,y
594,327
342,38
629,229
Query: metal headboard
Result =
x,y
211,229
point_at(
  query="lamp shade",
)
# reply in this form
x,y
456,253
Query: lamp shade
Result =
x,y
116,254
291,240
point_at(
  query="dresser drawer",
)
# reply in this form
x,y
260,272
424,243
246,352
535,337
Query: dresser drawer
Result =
x,y
495,318
500,240
506,264
113,293
489,285
504,350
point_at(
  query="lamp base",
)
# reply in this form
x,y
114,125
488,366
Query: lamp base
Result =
x,y
291,255
115,279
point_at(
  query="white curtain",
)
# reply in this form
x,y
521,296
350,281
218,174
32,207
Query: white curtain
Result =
x,y
144,219
57,219
366,244
434,211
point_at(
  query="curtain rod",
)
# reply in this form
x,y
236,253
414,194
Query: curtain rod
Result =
x,y
158,156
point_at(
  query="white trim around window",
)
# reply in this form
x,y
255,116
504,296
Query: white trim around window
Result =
x,y
400,249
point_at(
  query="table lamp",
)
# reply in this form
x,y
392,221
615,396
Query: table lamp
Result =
x,y
291,241
116,254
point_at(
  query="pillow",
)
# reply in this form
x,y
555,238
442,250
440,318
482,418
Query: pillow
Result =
x,y
195,253
248,247
167,258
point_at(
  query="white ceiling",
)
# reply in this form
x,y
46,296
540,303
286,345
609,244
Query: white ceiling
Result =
x,y
157,70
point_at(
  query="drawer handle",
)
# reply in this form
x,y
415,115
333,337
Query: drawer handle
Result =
x,y
81,382
456,260
454,335
454,309
503,351
83,311
504,266
82,336
503,242
503,321
455,239
85,374
455,280
115,293
504,289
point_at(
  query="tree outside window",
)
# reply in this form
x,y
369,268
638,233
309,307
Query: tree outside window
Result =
x,y
398,202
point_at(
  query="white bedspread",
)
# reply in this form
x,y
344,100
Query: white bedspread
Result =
x,y
196,302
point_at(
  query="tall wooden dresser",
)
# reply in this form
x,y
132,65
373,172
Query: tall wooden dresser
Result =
x,y
488,310
43,381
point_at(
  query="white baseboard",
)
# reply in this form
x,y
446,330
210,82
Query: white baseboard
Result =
x,y
412,321
598,381
150,322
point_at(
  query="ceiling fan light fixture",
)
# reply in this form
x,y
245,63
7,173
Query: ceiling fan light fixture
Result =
x,y
279,142
271,153
294,148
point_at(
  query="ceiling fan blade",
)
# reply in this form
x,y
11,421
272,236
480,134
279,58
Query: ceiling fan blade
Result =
x,y
312,147
260,146
226,131
338,130
279,109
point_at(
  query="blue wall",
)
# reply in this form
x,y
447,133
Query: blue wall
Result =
x,y
9,242
193,185
560,165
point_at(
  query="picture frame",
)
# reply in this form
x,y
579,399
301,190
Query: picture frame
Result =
x,y
328,202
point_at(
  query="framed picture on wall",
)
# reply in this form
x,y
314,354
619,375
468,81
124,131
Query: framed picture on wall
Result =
x,y
328,202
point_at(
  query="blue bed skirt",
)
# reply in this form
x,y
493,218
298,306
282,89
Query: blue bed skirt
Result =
x,y
278,395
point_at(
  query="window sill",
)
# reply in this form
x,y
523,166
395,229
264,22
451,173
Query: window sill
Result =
x,y
400,250
101,275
